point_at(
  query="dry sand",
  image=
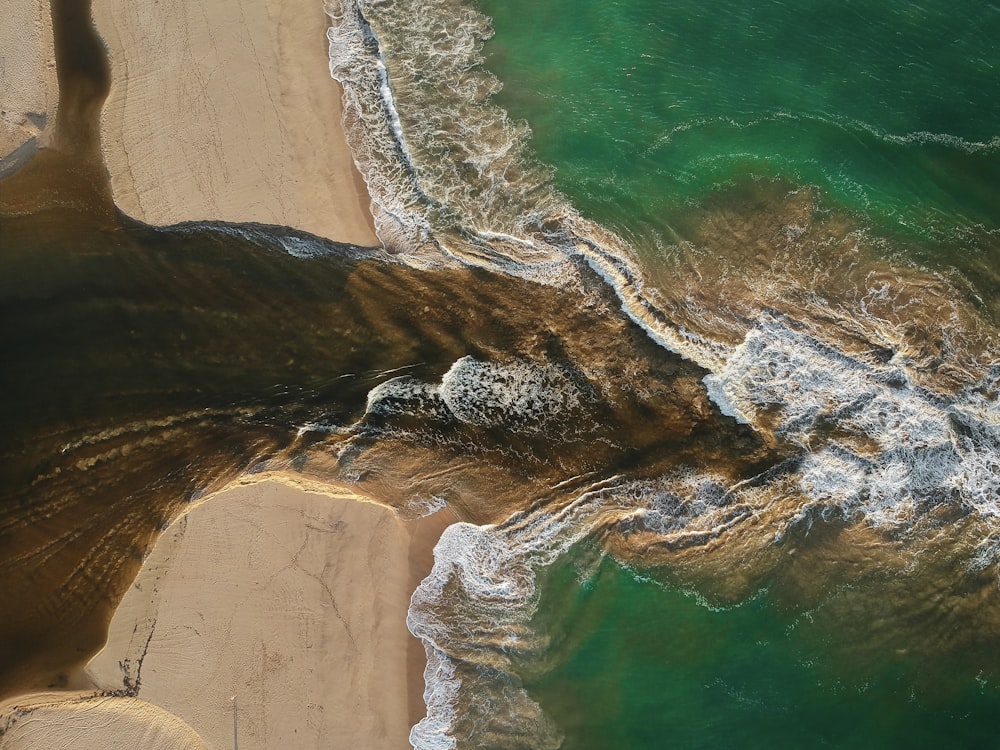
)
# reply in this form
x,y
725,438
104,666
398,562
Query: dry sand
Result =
x,y
28,89
226,110
292,601
57,721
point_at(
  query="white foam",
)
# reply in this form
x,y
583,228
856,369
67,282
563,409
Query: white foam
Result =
x,y
473,613
835,477
519,393
441,690
450,185
375,134
897,448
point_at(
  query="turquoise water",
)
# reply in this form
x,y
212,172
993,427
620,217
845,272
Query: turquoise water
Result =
x,y
640,665
643,107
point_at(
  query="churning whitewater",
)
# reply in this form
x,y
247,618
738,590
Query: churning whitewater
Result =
x,y
878,380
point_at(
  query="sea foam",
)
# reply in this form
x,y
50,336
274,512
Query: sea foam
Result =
x,y
875,444
473,613
517,394
871,440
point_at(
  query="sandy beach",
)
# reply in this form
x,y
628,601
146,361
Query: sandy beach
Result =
x,y
227,111
269,612
27,80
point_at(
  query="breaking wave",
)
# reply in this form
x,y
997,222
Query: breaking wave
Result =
x,y
823,347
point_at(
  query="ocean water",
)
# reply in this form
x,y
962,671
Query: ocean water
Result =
x,y
647,112
643,665
643,108
802,199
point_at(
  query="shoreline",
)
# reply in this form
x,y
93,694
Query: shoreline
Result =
x,y
424,534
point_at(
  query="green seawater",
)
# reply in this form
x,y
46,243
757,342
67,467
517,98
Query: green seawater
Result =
x,y
635,664
643,109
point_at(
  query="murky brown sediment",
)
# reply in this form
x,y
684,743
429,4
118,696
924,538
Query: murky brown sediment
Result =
x,y
767,246
147,366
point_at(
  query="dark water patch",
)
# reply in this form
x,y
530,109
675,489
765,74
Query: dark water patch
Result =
x,y
84,77
147,366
